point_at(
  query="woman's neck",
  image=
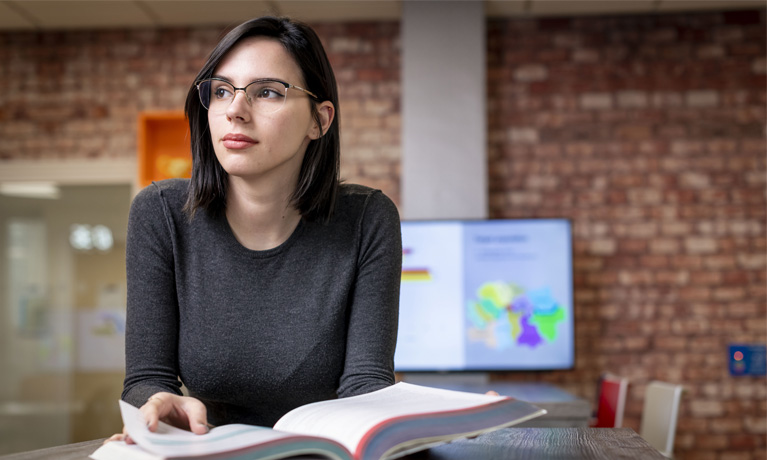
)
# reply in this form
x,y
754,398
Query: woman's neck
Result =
x,y
260,219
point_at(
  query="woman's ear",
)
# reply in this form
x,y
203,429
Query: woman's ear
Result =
x,y
327,112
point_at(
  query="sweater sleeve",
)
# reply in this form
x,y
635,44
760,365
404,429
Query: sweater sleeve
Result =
x,y
374,309
151,336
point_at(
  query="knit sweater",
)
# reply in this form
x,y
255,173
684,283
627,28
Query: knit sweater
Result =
x,y
254,334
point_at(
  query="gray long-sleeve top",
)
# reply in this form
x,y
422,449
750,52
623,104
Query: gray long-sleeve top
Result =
x,y
254,334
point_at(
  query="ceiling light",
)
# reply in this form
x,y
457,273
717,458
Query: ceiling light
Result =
x,y
45,190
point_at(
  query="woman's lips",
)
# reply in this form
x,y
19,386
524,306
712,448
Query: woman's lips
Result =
x,y
238,141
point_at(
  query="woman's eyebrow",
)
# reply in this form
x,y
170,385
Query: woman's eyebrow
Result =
x,y
228,80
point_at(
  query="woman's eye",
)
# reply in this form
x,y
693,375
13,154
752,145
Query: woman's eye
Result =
x,y
268,93
221,93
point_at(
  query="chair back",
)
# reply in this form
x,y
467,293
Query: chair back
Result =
x,y
611,400
659,416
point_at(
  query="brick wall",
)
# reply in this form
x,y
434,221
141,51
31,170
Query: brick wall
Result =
x,y
649,133
646,131
78,94
366,60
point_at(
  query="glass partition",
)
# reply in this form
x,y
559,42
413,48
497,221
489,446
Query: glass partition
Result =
x,y
62,312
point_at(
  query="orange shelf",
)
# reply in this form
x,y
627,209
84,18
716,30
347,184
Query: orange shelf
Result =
x,y
164,150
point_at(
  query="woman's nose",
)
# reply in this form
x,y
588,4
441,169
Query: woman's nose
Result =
x,y
239,107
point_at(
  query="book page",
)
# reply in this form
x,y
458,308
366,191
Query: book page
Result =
x,y
119,450
348,420
174,442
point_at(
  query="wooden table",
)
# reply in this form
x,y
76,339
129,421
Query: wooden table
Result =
x,y
510,443
547,444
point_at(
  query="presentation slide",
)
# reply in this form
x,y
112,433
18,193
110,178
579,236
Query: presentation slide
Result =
x,y
518,292
432,280
486,295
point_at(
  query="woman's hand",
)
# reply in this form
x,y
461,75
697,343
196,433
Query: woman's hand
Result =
x,y
180,411
120,437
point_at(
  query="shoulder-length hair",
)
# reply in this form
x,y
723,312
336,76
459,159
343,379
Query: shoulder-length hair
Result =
x,y
315,194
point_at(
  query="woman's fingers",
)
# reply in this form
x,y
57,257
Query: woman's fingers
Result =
x,y
157,406
126,436
179,411
120,437
115,437
196,415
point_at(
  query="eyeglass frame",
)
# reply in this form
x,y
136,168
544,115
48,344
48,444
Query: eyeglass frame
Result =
x,y
244,90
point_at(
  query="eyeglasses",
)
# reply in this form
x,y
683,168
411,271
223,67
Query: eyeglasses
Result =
x,y
265,95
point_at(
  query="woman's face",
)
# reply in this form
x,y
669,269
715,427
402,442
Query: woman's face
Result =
x,y
256,146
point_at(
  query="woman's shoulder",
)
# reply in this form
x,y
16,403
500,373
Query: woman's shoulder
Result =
x,y
356,190
363,200
171,191
361,195
161,198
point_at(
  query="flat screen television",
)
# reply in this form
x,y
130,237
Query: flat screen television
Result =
x,y
486,295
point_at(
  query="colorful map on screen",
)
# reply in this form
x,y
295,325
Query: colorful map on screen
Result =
x,y
505,314
485,295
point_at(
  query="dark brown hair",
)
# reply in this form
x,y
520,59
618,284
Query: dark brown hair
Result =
x,y
317,187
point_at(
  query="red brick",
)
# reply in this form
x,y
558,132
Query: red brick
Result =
x,y
722,262
678,278
664,246
727,425
757,425
670,343
697,454
737,455
654,261
704,344
695,293
743,442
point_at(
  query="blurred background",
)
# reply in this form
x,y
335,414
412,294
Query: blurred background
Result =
x,y
642,121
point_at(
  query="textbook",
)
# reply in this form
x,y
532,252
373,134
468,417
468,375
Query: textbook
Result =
x,y
385,424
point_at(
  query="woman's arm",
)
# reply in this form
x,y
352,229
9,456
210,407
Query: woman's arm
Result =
x,y
374,308
151,337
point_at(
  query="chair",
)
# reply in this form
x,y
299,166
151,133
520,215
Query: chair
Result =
x,y
659,416
611,401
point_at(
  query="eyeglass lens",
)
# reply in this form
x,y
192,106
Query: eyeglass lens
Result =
x,y
264,96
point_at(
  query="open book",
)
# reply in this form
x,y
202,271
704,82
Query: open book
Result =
x,y
384,424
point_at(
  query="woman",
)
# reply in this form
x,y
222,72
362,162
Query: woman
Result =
x,y
261,284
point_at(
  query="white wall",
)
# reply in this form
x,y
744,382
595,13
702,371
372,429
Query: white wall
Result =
x,y
444,133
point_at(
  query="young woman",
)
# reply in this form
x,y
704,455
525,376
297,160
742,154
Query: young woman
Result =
x,y
261,284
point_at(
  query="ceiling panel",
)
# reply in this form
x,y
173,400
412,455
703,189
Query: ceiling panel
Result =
x,y
700,5
502,8
67,14
585,7
73,14
206,12
340,10
10,19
